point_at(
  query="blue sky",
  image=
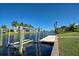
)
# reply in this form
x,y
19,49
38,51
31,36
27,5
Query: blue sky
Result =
x,y
39,15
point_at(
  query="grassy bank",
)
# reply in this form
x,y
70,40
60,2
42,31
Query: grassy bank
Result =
x,y
69,46
69,34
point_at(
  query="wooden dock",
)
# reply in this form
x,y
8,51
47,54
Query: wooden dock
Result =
x,y
52,39
49,39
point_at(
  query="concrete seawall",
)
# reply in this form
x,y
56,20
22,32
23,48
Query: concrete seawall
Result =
x,y
55,50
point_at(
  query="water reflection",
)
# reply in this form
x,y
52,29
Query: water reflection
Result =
x,y
1,51
38,49
31,49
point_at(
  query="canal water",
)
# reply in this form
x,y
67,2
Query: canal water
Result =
x,y
31,49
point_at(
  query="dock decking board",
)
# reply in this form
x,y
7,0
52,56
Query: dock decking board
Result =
x,y
50,39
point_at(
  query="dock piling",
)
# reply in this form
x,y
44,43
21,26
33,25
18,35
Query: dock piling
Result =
x,y
21,37
9,36
1,37
38,35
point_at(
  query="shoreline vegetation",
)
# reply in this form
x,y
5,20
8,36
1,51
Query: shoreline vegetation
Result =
x,y
68,46
12,33
15,26
69,34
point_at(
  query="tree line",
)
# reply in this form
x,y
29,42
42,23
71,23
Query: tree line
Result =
x,y
16,24
71,28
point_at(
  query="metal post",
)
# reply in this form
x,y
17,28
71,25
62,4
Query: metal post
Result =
x,y
1,37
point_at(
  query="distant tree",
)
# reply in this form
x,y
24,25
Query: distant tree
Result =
x,y
64,28
15,23
11,30
4,26
58,30
21,24
76,28
30,26
25,25
72,27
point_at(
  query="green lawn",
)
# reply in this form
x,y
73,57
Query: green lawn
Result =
x,y
69,46
69,34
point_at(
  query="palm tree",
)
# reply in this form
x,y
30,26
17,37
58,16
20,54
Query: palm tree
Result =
x,y
21,24
15,25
